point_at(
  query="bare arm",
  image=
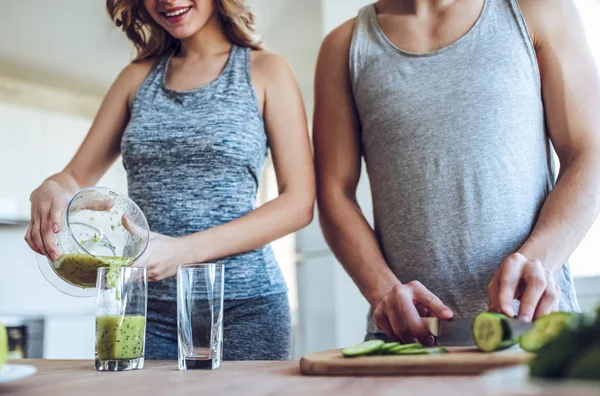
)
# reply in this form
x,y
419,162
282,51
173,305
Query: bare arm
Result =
x,y
571,94
338,158
285,122
98,151
336,135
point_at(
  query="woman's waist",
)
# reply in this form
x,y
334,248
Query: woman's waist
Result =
x,y
250,274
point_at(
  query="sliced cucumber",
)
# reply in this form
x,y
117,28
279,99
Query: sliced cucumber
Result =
x,y
422,351
491,332
3,345
545,328
404,347
385,348
364,348
552,359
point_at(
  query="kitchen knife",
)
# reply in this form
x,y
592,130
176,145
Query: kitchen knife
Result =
x,y
459,331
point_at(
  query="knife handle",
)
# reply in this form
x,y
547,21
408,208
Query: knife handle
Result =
x,y
433,324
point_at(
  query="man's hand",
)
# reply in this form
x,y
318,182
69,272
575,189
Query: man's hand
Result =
x,y
399,312
525,280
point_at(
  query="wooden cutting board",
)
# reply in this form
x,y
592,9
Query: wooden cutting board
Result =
x,y
458,361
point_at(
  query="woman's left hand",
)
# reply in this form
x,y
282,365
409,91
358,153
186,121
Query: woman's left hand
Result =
x,y
161,257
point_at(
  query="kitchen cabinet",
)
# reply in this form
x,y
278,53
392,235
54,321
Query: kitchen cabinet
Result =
x,y
34,145
69,337
20,155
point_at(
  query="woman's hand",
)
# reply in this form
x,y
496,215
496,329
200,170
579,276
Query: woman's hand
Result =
x,y
48,204
161,257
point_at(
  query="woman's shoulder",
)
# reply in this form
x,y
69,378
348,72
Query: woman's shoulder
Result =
x,y
269,66
137,71
133,75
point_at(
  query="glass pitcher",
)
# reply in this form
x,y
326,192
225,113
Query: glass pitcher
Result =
x,y
101,228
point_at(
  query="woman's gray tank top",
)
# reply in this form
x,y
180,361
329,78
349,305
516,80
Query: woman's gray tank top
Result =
x,y
457,152
193,162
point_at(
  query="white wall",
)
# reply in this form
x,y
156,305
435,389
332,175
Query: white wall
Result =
x,y
332,310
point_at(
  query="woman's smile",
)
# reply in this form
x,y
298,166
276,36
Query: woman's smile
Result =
x,y
175,15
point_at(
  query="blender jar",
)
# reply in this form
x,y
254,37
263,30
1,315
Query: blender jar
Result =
x,y
93,235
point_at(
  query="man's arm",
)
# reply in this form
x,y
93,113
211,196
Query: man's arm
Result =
x,y
571,94
338,161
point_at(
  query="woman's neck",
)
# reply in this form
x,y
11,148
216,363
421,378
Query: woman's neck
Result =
x,y
207,41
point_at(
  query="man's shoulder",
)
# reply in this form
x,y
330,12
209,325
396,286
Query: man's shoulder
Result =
x,y
546,19
339,39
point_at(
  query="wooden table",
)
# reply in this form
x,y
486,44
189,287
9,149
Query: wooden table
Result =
x,y
78,377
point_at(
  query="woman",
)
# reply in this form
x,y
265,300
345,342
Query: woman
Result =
x,y
192,117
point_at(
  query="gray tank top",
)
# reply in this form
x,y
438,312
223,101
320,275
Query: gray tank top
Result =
x,y
457,153
193,162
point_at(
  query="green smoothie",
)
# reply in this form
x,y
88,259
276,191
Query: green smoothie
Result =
x,y
120,337
81,269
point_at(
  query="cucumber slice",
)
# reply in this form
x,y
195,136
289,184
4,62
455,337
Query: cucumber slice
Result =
x,y
422,351
385,348
545,328
362,349
552,359
397,350
556,359
491,332
3,345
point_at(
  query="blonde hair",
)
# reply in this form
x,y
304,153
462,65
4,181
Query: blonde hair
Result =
x,y
151,40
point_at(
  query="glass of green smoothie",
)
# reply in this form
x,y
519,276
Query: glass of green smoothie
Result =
x,y
100,228
122,294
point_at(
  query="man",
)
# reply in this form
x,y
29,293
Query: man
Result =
x,y
455,106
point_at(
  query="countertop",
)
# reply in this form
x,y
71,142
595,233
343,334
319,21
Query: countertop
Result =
x,y
78,377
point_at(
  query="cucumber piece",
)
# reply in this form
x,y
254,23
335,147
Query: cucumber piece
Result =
x,y
491,332
362,349
422,351
397,350
385,348
553,359
3,345
586,366
544,329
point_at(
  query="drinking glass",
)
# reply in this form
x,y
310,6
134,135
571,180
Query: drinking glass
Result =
x,y
122,295
200,316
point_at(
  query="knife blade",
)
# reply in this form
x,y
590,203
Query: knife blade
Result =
x,y
459,331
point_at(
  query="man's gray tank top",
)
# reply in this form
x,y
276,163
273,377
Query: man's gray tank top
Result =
x,y
193,162
457,153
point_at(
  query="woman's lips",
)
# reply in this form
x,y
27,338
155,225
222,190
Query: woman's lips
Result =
x,y
176,15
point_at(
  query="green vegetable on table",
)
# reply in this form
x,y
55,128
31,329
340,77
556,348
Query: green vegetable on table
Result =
x,y
574,353
364,348
377,347
492,332
545,328
3,345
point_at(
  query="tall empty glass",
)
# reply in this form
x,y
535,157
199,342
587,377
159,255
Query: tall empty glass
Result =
x,y
122,295
200,316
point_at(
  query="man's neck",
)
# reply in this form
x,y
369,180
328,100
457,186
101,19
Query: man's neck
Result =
x,y
414,7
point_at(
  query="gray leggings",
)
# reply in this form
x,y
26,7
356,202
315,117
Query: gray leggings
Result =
x,y
253,329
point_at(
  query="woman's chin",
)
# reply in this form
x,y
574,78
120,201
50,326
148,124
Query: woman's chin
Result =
x,y
181,33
